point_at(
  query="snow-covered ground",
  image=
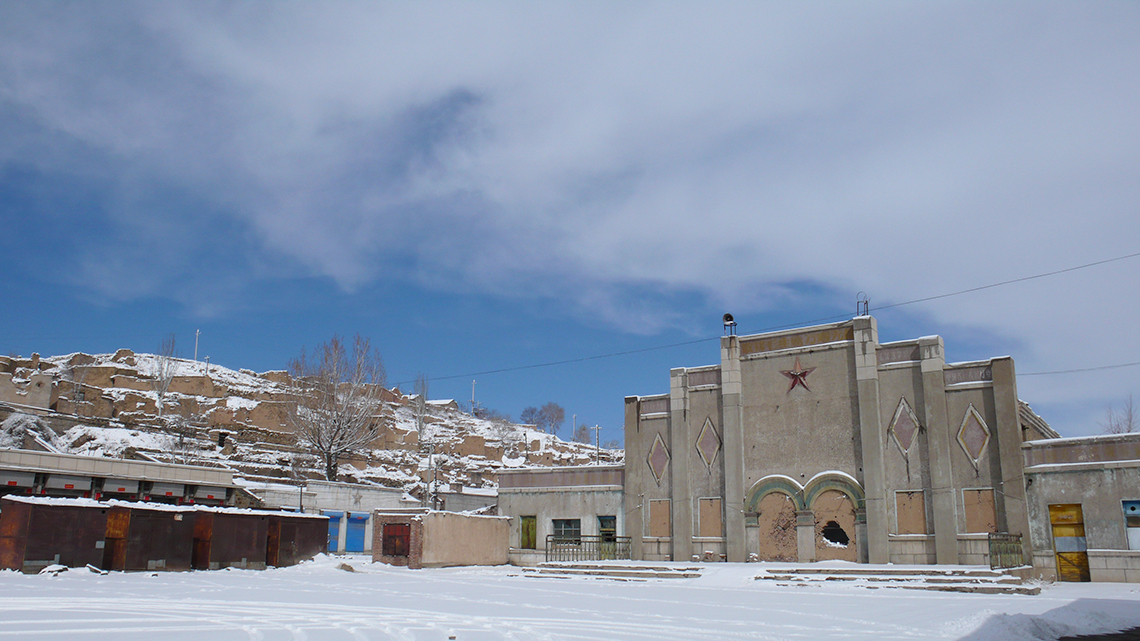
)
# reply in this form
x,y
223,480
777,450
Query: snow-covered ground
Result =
x,y
317,601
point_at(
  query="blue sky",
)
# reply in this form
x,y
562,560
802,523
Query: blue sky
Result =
x,y
481,186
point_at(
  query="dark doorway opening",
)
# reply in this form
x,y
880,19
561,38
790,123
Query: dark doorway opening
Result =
x,y
835,534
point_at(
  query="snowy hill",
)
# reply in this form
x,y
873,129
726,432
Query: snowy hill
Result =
x,y
108,405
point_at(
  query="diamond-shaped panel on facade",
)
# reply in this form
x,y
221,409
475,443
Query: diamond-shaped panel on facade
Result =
x,y
904,427
708,443
973,435
658,458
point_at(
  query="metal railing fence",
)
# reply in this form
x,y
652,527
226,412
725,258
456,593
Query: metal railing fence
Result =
x,y
587,548
1005,550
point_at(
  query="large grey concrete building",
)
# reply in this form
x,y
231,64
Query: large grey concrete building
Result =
x,y
823,443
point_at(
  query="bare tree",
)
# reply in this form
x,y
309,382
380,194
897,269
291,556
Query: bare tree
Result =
x,y
76,374
1121,421
506,433
164,370
547,418
582,434
553,416
491,414
183,428
336,396
427,445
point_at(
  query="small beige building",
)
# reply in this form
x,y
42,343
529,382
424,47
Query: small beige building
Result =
x,y
424,538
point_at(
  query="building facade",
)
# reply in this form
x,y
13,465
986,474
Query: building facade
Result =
x,y
1083,496
36,473
823,443
563,512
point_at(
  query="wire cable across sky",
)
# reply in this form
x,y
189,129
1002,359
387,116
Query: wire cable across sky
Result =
x,y
837,317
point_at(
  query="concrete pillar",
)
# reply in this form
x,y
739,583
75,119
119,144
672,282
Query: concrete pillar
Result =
x,y
1013,515
871,440
680,448
732,426
805,535
939,437
633,494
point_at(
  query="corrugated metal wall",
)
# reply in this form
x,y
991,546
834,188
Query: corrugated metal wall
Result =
x,y
35,533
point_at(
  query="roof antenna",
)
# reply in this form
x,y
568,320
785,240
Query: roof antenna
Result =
x,y
862,304
729,325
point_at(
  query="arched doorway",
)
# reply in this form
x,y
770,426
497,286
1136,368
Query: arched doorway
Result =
x,y
776,517
834,527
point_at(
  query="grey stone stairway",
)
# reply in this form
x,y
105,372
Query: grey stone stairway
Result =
x,y
614,572
968,580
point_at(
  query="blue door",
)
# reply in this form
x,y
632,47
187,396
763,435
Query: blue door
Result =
x,y
354,536
334,529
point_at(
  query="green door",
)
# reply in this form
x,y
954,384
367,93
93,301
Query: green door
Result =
x,y
528,534
607,531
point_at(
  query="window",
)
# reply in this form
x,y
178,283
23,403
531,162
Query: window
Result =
x,y
710,518
568,529
910,511
981,516
1132,523
660,518
528,527
607,528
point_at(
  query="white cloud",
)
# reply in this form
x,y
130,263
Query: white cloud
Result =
x,y
585,150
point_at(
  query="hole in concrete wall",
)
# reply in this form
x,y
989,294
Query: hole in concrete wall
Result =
x,y
835,534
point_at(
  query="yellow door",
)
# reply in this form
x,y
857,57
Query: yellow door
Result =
x,y
1069,542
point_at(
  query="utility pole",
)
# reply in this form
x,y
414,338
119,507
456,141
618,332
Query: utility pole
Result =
x,y
472,398
207,366
597,444
196,333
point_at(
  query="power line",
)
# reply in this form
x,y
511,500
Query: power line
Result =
x,y
773,328
1083,369
570,360
1010,282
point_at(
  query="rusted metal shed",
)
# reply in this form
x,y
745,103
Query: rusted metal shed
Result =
x,y
117,535
38,532
148,537
293,538
229,538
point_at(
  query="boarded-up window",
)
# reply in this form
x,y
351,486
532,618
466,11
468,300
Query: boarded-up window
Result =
x,y
981,516
660,518
910,507
710,516
1131,523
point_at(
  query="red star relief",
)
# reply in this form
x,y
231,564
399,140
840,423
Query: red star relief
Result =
x,y
797,376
